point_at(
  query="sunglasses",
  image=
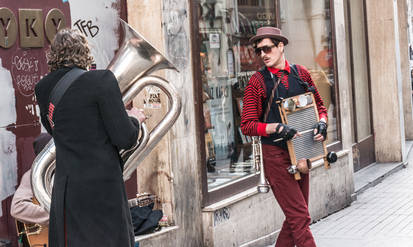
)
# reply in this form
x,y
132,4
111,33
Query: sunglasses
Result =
x,y
266,49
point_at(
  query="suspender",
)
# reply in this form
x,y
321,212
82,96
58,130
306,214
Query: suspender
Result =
x,y
269,103
59,90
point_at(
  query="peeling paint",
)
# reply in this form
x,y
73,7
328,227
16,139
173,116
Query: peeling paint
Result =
x,y
177,37
8,153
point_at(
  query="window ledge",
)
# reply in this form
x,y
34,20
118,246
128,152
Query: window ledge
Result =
x,y
253,191
151,235
231,200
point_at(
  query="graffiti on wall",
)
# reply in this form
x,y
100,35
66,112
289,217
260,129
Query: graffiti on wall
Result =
x,y
25,72
99,21
221,216
87,27
23,64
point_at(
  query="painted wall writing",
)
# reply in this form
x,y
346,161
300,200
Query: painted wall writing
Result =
x,y
26,72
87,28
221,216
99,21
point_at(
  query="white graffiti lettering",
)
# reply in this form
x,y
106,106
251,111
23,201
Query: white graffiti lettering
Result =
x,y
25,64
26,72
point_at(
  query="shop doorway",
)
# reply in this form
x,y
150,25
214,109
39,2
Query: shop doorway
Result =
x,y
362,131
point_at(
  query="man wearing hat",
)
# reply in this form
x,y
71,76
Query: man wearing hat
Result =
x,y
282,80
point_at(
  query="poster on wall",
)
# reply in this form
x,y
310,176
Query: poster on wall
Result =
x,y
222,120
214,41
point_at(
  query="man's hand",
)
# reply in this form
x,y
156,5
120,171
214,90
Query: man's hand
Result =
x,y
137,113
283,130
320,131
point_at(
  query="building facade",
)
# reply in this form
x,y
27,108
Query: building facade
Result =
x,y
201,171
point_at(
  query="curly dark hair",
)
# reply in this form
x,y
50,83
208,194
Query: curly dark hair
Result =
x,y
274,41
69,48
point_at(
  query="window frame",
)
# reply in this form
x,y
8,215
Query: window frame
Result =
x,y
215,195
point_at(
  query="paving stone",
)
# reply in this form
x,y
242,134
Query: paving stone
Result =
x,y
382,216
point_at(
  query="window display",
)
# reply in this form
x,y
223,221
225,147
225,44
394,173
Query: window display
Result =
x,y
227,63
313,48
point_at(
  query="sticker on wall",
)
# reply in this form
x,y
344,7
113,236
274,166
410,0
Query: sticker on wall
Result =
x,y
230,63
153,100
214,42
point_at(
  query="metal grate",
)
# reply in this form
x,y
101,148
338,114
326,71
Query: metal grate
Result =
x,y
305,146
303,119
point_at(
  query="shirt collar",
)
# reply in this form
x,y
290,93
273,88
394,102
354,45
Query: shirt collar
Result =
x,y
275,70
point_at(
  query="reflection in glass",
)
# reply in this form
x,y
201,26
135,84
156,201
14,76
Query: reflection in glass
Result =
x,y
312,46
227,63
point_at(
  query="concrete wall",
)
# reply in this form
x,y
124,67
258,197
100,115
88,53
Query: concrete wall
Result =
x,y
405,67
256,219
246,217
330,190
154,174
172,170
386,80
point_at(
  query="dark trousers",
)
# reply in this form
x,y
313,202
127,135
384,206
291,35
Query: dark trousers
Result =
x,y
291,195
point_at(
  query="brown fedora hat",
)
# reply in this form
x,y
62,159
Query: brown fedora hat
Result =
x,y
269,32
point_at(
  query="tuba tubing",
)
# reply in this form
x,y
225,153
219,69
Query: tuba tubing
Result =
x,y
132,64
163,126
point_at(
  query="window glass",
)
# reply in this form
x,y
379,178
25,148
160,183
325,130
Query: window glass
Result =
x,y
227,62
307,24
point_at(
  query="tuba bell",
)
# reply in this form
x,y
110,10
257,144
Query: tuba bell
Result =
x,y
132,65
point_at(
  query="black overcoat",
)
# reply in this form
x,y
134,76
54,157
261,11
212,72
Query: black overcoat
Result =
x,y
91,126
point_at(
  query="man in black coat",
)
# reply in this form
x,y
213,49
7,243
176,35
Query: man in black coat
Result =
x,y
89,126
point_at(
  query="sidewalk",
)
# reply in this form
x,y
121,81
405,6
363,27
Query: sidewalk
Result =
x,y
382,216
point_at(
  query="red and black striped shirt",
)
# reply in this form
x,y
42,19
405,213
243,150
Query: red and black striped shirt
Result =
x,y
254,96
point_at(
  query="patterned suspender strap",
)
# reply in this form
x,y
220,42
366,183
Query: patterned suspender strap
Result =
x,y
269,103
59,90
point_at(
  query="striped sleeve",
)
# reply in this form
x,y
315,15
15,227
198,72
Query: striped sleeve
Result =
x,y
252,107
305,76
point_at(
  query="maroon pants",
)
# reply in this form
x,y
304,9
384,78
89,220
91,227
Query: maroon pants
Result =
x,y
291,195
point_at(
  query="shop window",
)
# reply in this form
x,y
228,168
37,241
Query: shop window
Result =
x,y
312,46
227,62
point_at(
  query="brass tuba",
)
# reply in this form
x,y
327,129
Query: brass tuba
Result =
x,y
134,61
